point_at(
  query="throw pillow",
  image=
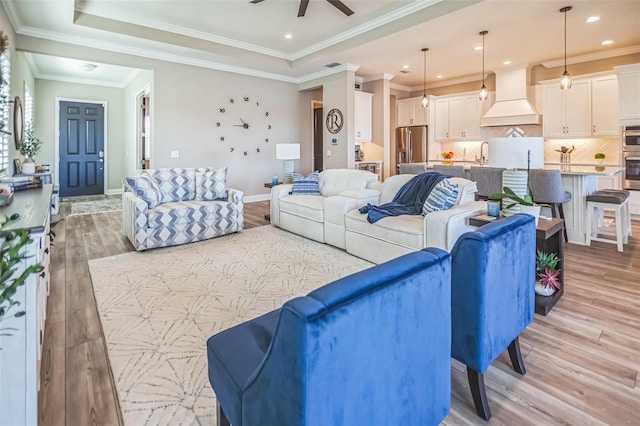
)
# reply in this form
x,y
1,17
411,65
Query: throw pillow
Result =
x,y
211,185
146,188
442,197
309,185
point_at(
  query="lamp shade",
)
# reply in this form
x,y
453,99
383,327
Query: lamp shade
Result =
x,y
287,151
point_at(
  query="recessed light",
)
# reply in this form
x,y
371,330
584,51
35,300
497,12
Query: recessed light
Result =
x,y
88,67
507,62
288,36
477,48
607,42
405,67
439,76
591,19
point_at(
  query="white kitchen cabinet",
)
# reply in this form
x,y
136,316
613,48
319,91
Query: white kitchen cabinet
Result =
x,y
567,113
458,118
604,106
21,340
629,92
363,116
411,113
634,203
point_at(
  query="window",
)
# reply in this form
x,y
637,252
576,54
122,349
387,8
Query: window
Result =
x,y
5,132
28,108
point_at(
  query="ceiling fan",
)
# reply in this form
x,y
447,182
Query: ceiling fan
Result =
x,y
304,3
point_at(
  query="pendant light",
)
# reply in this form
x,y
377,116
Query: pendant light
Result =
x,y
483,89
425,100
565,82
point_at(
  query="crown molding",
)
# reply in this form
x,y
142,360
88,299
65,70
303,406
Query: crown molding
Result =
x,y
593,56
383,76
88,81
327,72
11,14
400,87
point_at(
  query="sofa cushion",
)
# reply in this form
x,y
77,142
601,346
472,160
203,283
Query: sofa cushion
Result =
x,y
182,212
307,206
175,184
466,190
405,230
211,185
305,185
146,188
334,181
442,197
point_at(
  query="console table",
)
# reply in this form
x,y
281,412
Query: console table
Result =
x,y
550,239
21,340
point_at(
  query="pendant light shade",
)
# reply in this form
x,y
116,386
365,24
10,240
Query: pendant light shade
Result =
x,y
483,90
565,82
425,99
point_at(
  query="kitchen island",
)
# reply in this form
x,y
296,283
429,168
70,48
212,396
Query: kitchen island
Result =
x,y
580,181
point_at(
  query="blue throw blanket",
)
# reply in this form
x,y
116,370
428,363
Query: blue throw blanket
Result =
x,y
409,199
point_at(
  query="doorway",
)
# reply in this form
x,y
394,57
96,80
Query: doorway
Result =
x,y
318,148
81,147
143,146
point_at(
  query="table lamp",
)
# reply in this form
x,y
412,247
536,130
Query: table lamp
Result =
x,y
287,152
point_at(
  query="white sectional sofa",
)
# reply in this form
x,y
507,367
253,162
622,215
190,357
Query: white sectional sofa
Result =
x,y
321,217
334,218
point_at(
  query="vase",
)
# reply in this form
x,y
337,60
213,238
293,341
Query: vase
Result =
x,y
28,167
544,291
532,210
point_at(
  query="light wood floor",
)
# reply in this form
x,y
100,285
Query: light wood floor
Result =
x,y
582,360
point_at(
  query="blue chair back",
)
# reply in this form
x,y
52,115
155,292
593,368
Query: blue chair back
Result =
x,y
369,349
492,289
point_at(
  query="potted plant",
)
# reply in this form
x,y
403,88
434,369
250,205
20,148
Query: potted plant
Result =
x,y
29,147
599,157
526,203
547,273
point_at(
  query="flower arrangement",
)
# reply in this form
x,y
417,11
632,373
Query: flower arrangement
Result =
x,y
30,145
447,155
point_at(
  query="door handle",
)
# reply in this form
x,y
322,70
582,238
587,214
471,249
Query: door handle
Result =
x,y
101,154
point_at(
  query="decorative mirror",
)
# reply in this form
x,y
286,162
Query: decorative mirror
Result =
x,y
18,121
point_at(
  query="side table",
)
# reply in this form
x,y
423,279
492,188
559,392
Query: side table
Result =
x,y
269,185
550,239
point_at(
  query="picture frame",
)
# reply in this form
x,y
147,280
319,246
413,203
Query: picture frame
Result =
x,y
17,167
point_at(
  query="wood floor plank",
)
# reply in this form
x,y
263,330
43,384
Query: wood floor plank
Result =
x,y
582,359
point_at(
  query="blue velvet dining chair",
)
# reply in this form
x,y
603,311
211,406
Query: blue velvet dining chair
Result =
x,y
373,348
492,297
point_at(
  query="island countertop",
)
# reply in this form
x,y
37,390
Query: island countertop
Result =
x,y
565,169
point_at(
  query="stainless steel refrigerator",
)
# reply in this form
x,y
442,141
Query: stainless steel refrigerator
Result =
x,y
411,144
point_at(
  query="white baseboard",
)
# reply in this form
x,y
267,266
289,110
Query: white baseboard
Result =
x,y
113,191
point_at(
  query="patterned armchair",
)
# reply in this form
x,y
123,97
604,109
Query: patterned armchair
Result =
x,y
165,207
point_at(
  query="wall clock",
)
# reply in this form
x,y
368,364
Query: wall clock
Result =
x,y
334,120
240,117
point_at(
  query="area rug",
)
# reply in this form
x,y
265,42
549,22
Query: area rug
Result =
x,y
158,308
97,206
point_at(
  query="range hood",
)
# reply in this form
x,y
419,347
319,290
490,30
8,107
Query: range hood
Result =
x,y
512,107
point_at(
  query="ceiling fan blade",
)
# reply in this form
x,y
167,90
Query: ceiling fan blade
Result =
x,y
303,7
256,1
343,7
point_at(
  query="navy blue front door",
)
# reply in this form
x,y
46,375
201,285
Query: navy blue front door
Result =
x,y
81,149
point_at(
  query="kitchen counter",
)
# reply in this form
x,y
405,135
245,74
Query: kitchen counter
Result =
x,y
565,169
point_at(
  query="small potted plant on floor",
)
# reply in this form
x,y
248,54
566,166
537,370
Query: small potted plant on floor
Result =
x,y
547,273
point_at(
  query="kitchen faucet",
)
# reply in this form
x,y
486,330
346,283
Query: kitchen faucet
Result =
x,y
482,157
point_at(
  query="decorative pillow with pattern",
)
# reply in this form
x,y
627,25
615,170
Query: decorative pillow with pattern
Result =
x,y
442,197
146,188
211,185
309,185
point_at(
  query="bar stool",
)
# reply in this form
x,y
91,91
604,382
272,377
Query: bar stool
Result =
x,y
546,188
616,200
455,171
488,180
412,168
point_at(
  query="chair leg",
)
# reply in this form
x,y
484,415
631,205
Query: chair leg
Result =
x,y
478,393
561,215
516,357
222,418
